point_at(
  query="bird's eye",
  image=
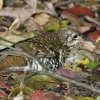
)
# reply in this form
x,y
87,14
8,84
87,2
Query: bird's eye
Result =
x,y
75,36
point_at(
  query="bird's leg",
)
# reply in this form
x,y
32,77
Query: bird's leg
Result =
x,y
60,55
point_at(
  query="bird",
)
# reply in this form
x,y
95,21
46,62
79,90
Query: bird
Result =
x,y
51,48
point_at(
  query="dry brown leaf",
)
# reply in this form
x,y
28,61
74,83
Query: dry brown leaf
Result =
x,y
49,6
14,38
2,34
15,92
97,50
92,20
83,29
85,26
21,13
1,4
3,31
32,24
92,2
24,13
87,46
98,39
42,18
54,1
73,19
32,3
81,75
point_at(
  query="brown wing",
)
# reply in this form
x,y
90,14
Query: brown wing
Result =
x,y
43,45
13,61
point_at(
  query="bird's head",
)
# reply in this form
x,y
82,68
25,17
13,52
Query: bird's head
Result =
x,y
71,37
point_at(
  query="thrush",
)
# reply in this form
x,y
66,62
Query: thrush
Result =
x,y
52,48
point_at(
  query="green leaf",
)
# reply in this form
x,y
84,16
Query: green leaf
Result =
x,y
36,32
52,27
83,98
98,98
4,99
95,78
41,82
92,64
57,26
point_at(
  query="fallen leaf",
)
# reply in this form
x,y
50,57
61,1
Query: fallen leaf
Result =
x,y
96,70
90,19
66,72
87,46
84,61
83,98
98,98
94,36
31,3
56,25
75,21
97,49
98,39
40,95
42,18
79,11
1,3
3,85
19,97
3,94
49,6
72,68
37,95
32,24
94,77
17,90
81,75
15,38
41,82
17,13
77,55
86,26
93,2
93,64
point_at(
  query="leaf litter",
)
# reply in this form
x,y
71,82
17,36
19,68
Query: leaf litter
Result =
x,y
21,20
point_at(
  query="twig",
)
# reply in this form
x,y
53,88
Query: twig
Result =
x,y
11,70
92,20
58,77
65,2
62,78
11,75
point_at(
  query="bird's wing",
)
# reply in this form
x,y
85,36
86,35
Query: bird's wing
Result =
x,y
43,45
